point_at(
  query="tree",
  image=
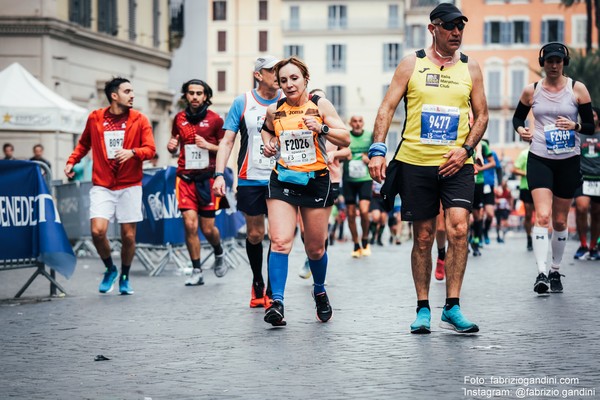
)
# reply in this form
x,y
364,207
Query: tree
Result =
x,y
589,7
584,68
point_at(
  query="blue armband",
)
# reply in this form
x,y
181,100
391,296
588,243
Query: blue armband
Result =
x,y
377,149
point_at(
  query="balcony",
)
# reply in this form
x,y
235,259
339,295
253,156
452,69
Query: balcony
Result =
x,y
350,26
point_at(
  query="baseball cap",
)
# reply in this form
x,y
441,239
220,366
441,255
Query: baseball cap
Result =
x,y
554,50
266,62
446,12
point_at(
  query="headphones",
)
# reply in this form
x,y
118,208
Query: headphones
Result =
x,y
565,60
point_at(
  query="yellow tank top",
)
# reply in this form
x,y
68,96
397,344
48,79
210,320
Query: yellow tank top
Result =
x,y
300,148
437,112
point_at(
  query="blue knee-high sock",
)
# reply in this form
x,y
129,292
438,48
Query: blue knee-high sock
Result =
x,y
278,270
319,270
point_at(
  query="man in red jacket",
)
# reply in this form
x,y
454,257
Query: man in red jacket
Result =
x,y
121,139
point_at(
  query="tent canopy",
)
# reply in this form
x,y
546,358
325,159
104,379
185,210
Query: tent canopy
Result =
x,y
26,104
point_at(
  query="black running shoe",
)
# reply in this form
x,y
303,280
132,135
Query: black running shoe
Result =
x,y
274,314
324,311
542,284
555,283
529,243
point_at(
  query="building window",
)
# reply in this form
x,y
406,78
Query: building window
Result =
x,y
392,53
293,50
337,96
262,10
336,58
222,41
393,19
509,132
493,33
493,85
132,5
219,10
262,41
107,17
415,36
80,12
294,17
493,130
156,23
221,81
552,31
337,17
579,31
517,83
520,32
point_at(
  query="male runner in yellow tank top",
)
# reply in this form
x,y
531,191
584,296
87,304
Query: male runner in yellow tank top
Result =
x,y
434,159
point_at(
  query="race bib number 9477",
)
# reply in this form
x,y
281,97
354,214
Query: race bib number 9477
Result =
x,y
439,124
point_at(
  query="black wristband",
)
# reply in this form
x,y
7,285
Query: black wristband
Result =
x,y
217,174
469,150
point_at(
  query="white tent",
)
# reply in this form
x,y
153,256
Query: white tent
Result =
x,y
27,105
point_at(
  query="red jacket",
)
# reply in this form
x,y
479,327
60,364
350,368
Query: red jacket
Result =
x,y
138,136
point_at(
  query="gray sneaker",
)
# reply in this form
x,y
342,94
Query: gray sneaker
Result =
x,y
196,279
220,267
305,272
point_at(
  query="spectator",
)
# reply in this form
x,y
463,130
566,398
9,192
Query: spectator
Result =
x,y
9,150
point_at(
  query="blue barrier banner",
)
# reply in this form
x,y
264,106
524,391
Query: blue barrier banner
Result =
x,y
163,223
30,226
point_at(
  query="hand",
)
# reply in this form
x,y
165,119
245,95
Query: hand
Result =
x,y
525,134
173,143
330,157
201,142
377,168
456,160
565,123
69,171
312,124
270,149
123,155
219,186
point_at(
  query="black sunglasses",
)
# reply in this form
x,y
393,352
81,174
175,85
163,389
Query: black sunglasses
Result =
x,y
449,26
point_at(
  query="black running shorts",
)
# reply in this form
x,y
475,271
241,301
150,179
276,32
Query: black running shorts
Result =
x,y
562,177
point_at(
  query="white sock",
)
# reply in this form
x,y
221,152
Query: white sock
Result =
x,y
559,242
540,247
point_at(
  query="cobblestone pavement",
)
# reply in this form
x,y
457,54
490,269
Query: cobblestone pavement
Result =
x,y
168,341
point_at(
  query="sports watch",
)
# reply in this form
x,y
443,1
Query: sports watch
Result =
x,y
469,150
324,129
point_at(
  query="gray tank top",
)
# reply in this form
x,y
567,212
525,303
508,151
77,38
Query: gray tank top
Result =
x,y
549,142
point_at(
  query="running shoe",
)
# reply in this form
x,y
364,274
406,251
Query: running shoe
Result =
x,y
258,293
220,266
366,251
581,252
555,283
486,239
274,314
108,280
305,272
267,301
124,286
196,279
542,284
529,243
423,322
500,240
379,242
454,319
357,253
594,255
440,269
324,311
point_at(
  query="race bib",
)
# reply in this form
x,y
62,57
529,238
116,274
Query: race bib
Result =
x,y
357,169
591,188
297,147
258,159
113,140
439,124
487,189
195,157
559,141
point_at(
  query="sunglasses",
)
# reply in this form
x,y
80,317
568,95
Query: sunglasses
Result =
x,y
449,26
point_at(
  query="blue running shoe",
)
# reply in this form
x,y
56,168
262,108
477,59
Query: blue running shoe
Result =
x,y
581,253
124,286
453,319
108,281
423,322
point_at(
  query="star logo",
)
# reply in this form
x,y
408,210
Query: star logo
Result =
x,y
7,117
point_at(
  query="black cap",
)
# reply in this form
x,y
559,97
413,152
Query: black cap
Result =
x,y
554,50
446,12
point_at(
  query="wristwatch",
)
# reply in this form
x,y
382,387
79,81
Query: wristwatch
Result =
x,y
324,129
217,174
133,152
469,150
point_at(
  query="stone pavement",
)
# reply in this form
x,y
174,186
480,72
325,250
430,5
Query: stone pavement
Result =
x,y
169,341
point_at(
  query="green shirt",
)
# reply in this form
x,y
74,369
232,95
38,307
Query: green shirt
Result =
x,y
355,170
521,163
485,153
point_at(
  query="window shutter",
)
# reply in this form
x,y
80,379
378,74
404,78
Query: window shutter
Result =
x,y
544,32
343,57
487,32
526,32
505,28
329,58
561,31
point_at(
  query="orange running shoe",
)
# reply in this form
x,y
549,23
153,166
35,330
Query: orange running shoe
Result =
x,y
440,270
257,301
268,301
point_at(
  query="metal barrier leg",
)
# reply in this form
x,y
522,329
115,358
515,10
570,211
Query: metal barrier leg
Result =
x,y
41,270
